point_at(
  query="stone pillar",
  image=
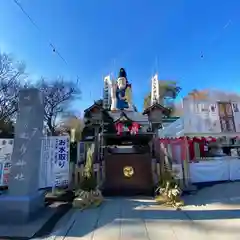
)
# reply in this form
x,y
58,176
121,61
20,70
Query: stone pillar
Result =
x,y
23,199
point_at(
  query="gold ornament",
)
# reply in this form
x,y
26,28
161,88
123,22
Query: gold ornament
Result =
x,y
128,171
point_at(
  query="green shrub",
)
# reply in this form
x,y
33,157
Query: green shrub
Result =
x,y
89,183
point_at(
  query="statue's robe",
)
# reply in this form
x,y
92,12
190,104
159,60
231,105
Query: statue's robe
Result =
x,y
121,103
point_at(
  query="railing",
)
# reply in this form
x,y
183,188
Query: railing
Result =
x,y
78,173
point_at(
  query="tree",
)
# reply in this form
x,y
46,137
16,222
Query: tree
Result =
x,y
6,129
177,110
198,94
57,95
73,122
12,76
147,101
168,91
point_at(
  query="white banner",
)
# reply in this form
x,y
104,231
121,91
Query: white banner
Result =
x,y
234,169
214,120
1,173
54,164
202,117
6,148
209,171
45,173
5,171
227,169
60,165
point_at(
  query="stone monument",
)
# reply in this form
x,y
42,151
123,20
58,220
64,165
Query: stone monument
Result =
x,y
23,199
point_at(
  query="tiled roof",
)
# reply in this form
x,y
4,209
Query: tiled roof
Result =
x,y
134,116
156,105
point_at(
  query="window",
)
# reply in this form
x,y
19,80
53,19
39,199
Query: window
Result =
x,y
226,117
201,107
212,108
235,107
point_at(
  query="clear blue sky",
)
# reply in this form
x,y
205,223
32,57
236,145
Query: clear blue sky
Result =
x,y
92,34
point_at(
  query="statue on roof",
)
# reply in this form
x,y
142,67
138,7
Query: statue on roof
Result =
x,y
121,93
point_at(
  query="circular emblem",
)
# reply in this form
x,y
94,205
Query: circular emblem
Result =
x,y
128,171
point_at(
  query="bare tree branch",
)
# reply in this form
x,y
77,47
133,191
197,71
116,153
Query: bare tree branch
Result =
x,y
57,94
12,75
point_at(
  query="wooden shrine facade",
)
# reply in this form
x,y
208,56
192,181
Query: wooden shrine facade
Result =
x,y
123,140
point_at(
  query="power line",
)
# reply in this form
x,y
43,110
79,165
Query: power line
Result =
x,y
54,49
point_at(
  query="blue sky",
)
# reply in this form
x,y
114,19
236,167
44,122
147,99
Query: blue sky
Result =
x,y
193,42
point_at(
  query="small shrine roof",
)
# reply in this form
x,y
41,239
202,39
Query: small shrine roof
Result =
x,y
129,115
165,111
97,104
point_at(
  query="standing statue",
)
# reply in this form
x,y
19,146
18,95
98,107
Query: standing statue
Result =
x,y
121,93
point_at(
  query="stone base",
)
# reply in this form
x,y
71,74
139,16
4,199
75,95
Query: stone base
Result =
x,y
20,209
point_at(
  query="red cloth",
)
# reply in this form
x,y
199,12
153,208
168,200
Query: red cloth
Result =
x,y
119,128
202,141
191,149
134,128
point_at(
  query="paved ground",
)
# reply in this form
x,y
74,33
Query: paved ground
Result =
x,y
208,215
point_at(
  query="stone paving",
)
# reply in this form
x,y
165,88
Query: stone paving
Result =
x,y
143,219
213,213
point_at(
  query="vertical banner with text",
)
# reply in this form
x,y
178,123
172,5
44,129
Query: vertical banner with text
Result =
x,y
61,160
